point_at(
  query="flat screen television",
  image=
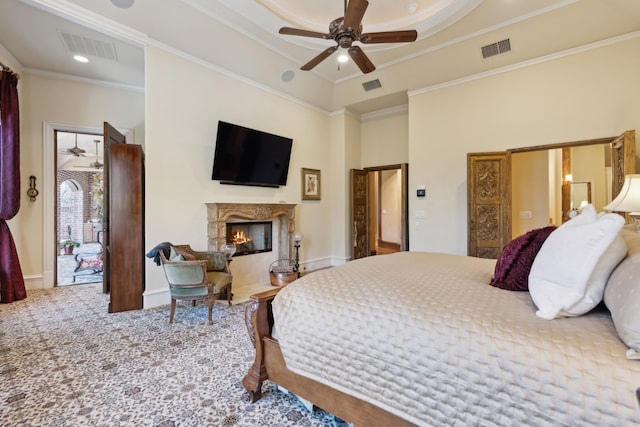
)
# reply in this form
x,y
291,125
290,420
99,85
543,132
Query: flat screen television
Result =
x,y
246,156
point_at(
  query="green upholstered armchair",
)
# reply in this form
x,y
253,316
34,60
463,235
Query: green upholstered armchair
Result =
x,y
218,271
188,281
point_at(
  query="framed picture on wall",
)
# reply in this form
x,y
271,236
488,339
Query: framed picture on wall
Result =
x,y
310,184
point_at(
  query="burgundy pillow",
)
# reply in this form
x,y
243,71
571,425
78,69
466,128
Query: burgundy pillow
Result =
x,y
514,264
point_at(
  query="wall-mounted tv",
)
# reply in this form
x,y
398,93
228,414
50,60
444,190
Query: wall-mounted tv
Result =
x,y
246,156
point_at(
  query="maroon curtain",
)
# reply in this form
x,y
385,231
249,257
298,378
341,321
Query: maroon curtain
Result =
x,y
11,280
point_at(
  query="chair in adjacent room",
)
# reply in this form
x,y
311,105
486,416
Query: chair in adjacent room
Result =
x,y
218,270
188,281
90,263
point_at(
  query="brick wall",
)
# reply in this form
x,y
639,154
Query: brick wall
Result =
x,y
76,201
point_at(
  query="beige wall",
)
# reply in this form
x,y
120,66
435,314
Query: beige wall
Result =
x,y
183,105
587,95
45,99
529,191
588,165
385,139
390,205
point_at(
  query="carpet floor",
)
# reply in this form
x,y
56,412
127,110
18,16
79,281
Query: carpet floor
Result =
x,y
65,361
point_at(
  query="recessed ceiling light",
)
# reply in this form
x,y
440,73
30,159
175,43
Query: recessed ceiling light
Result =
x,y
122,4
80,58
412,8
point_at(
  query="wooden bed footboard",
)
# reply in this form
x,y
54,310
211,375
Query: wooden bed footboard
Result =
x,y
269,364
259,320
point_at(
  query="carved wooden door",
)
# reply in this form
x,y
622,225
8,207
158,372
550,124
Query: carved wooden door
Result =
x,y
359,213
489,203
623,159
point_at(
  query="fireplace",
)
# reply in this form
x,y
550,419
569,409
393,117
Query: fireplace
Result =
x,y
250,237
219,214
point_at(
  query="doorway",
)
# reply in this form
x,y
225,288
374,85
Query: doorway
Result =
x,y
78,211
379,209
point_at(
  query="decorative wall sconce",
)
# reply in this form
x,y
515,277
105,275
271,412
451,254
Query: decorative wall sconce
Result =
x,y
32,192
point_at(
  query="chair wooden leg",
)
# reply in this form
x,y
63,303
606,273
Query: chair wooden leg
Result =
x,y
173,309
211,302
229,294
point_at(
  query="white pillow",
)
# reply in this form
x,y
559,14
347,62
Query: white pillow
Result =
x,y
569,273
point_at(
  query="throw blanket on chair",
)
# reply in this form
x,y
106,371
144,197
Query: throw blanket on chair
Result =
x,y
154,253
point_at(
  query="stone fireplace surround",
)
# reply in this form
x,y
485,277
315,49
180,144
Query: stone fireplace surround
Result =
x,y
283,213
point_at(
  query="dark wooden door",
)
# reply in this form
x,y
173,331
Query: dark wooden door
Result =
x,y
123,222
359,213
489,203
111,136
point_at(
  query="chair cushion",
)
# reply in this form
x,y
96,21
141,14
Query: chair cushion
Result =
x,y
178,293
174,255
188,256
219,280
183,273
91,262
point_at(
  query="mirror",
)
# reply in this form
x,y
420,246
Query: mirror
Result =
x,y
547,185
580,195
548,182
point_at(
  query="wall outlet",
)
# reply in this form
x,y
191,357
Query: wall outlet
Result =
x,y
526,214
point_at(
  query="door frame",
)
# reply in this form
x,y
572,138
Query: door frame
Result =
x,y
623,162
49,250
404,200
404,217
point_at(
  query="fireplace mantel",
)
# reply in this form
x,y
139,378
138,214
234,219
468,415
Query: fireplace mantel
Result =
x,y
219,213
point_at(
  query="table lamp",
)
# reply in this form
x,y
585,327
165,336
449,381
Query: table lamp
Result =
x,y
628,200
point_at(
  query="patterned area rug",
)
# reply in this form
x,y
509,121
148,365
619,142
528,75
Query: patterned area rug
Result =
x,y
65,361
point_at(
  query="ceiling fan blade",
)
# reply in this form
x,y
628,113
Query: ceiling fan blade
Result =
x,y
71,152
361,60
304,33
390,37
354,14
318,59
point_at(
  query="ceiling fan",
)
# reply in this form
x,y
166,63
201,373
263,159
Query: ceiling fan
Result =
x,y
348,29
75,150
97,164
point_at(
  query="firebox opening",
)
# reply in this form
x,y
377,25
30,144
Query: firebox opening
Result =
x,y
250,237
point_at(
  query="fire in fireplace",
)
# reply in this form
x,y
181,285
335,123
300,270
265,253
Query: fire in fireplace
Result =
x,y
250,237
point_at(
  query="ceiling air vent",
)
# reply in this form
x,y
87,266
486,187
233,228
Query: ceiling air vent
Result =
x,y
89,46
497,48
370,85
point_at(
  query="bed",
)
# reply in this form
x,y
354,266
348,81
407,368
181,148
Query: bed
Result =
x,y
418,338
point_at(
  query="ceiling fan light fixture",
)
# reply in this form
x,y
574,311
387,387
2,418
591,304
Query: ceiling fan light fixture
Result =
x,y
345,31
343,56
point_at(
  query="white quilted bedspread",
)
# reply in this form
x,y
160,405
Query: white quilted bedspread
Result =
x,y
426,337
